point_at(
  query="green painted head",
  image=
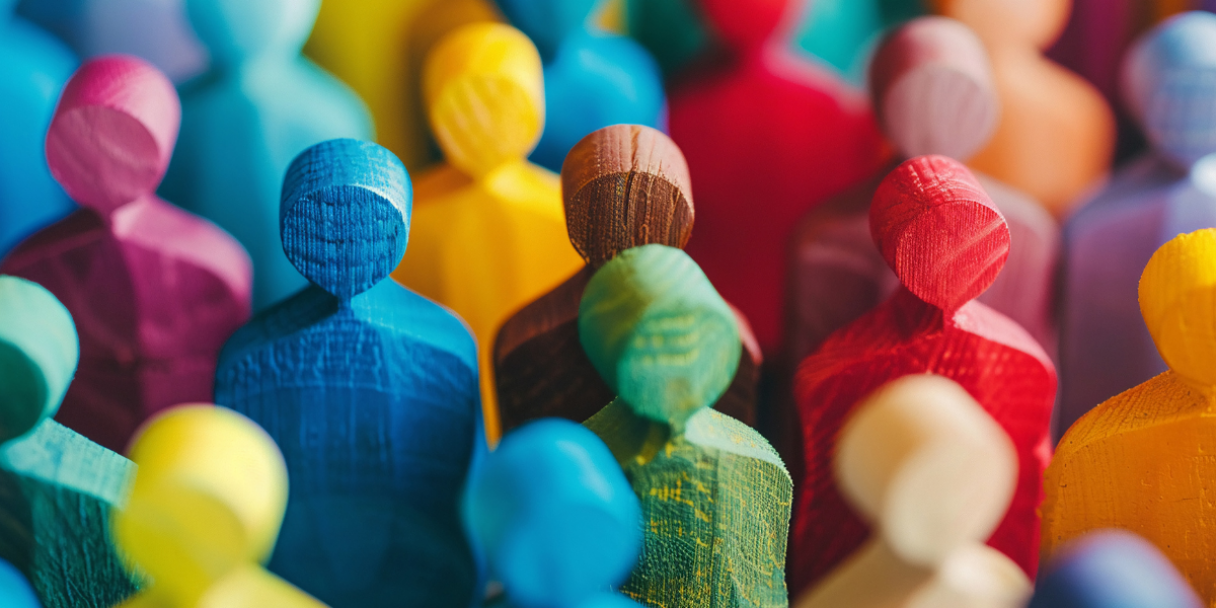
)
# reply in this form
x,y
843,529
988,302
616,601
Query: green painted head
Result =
x,y
39,351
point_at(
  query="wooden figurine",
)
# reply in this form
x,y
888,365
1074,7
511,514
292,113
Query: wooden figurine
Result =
x,y
1057,134
489,233
1112,569
56,487
946,241
934,474
369,389
204,509
842,33
15,591
244,122
592,79
34,66
715,496
1169,77
154,290
675,32
623,186
1139,461
554,516
934,94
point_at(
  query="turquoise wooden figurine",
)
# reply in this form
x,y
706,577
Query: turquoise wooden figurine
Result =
x,y
370,391
842,33
261,104
715,496
15,591
1112,569
56,487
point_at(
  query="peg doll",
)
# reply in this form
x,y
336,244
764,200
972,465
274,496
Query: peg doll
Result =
x,y
715,496
1169,78
56,487
923,462
843,32
946,242
1056,136
489,234
154,290
242,124
15,591
1112,569
204,509
623,186
33,69
370,391
1139,460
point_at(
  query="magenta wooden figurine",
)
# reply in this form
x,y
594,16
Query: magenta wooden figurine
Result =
x,y
154,290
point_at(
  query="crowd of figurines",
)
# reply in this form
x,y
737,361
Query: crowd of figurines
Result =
x,y
915,345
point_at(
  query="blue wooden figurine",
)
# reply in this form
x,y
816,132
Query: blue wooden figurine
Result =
x,y
1112,569
592,79
15,591
261,104
34,66
370,390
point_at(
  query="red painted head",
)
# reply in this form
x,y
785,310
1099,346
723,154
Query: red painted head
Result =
x,y
939,231
746,23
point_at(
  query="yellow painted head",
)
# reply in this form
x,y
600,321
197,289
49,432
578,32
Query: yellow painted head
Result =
x,y
1178,301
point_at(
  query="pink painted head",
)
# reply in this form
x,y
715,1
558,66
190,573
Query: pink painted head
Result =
x,y
746,24
113,132
939,231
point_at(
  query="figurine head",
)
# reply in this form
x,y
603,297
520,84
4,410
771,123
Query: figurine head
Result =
x,y
626,186
1178,301
1035,22
1169,82
747,24
483,87
659,334
113,133
39,351
15,590
1112,568
939,231
236,30
345,215
548,22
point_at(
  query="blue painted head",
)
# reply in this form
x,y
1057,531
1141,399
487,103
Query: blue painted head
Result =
x,y
236,30
553,513
345,215
15,591
1112,569
1169,81
548,22
39,351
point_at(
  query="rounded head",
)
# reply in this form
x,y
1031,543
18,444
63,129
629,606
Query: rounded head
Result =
x,y
932,86
113,132
235,30
608,600
745,25
208,497
939,231
484,91
1034,22
554,514
548,22
345,215
39,351
923,461
659,334
625,186
1169,82
15,590
1178,301
1112,568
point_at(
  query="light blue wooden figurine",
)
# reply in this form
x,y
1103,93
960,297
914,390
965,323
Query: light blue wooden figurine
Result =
x,y
1112,569
243,122
15,591
592,79
370,391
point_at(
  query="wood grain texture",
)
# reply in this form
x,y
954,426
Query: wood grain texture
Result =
x,y
369,390
153,289
946,242
243,122
1110,569
489,234
715,496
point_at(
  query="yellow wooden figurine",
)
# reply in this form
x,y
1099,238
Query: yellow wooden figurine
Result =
x,y
1143,460
204,511
488,233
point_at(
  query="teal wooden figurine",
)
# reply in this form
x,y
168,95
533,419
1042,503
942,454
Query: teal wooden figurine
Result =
x,y
715,496
56,487
842,33
259,106
15,591
370,391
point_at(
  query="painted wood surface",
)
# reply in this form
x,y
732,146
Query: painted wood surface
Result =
x,y
924,464
715,496
1112,569
623,186
489,232
34,66
154,290
1170,76
370,391
15,590
56,487
243,122
554,515
946,241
